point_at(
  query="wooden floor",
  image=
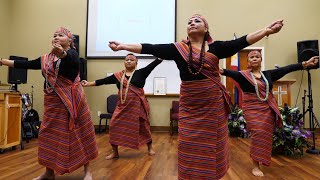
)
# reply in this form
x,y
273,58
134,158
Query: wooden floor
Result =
x,y
134,164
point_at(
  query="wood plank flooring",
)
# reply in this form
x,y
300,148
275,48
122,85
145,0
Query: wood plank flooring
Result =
x,y
137,164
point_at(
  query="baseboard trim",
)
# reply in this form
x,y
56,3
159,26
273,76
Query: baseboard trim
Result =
x,y
153,128
317,130
160,128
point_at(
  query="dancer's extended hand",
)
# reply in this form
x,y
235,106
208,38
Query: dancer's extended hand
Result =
x,y
84,83
115,46
274,27
311,62
221,71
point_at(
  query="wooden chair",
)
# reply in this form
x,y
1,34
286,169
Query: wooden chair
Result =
x,y
111,106
174,116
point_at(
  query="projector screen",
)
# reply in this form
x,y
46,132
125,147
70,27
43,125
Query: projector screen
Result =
x,y
128,21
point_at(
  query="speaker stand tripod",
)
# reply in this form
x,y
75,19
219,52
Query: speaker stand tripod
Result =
x,y
312,117
14,87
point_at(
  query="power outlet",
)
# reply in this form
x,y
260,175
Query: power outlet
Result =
x,y
99,112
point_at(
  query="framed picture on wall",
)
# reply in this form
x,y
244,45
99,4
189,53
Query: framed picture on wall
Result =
x,y
159,86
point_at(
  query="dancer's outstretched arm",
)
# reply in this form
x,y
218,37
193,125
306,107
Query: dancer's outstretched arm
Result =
x,y
107,80
251,38
271,29
276,74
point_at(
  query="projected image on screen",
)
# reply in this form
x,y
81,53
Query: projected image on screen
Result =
x,y
127,21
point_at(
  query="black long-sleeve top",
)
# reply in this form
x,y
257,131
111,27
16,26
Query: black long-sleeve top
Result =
x,y
69,65
222,49
271,76
138,79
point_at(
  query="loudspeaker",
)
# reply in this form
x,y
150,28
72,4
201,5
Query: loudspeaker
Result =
x,y
17,76
307,49
76,42
83,69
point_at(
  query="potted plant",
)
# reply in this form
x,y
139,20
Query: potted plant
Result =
x,y
237,123
292,138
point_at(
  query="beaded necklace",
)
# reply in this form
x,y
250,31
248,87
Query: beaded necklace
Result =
x,y
49,88
121,86
256,86
191,58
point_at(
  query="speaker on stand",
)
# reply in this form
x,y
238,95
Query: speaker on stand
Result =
x,y
83,62
306,50
17,76
83,69
76,42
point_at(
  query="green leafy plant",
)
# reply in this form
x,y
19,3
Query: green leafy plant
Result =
x,y
292,138
237,123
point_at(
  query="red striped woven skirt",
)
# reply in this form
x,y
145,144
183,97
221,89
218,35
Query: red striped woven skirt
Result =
x,y
203,132
59,148
260,119
130,125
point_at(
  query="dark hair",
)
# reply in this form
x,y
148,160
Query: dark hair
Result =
x,y
131,55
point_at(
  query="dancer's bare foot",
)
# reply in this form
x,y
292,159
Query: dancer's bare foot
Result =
x,y
257,172
88,176
112,156
47,176
152,152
